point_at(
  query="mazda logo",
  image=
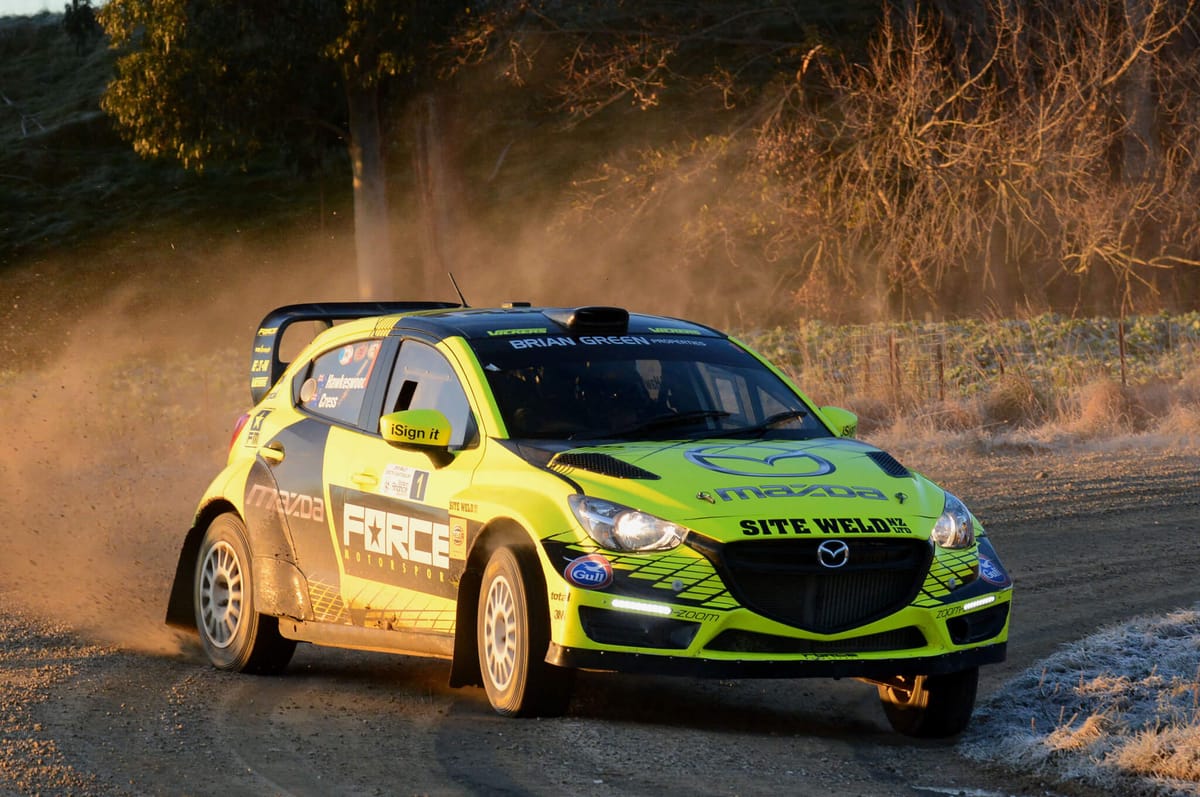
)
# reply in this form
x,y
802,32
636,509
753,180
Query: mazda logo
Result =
x,y
833,553
760,460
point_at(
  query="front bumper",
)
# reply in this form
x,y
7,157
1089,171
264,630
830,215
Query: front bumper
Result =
x,y
877,669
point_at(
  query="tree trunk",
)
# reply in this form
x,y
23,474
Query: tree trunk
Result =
x,y
1140,149
372,238
437,190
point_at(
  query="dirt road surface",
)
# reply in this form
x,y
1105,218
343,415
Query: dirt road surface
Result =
x,y
1092,538
103,462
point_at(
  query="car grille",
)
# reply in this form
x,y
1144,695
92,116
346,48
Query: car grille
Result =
x,y
908,638
786,582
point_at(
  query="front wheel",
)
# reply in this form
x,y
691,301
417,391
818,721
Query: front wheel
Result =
x,y
513,631
931,706
233,634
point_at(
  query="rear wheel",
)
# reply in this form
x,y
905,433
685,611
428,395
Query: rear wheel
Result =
x,y
930,706
513,630
233,634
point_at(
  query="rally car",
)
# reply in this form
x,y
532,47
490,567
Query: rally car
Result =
x,y
527,492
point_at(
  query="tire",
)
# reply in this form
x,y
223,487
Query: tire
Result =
x,y
513,633
234,636
936,706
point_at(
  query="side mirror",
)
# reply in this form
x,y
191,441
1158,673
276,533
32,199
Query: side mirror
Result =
x,y
843,422
428,429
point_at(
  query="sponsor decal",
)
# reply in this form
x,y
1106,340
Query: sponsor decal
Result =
x,y
692,614
754,527
267,330
495,333
748,492
780,462
674,331
585,340
328,402
992,572
297,505
458,538
347,356
466,507
590,572
412,433
677,342
400,481
255,432
393,535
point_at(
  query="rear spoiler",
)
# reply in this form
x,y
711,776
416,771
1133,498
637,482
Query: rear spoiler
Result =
x,y
265,365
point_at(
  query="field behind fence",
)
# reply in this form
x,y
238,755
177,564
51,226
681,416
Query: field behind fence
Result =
x,y
925,366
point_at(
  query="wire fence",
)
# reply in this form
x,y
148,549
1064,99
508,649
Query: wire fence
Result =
x,y
920,363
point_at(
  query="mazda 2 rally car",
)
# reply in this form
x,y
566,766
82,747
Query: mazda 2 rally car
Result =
x,y
527,492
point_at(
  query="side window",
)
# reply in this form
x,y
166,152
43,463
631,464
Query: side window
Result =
x,y
424,380
335,383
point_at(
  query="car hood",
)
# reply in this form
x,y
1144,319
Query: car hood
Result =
x,y
835,480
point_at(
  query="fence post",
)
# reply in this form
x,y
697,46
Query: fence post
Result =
x,y
1121,346
941,371
894,357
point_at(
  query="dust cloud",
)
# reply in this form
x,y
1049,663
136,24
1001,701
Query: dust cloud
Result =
x,y
117,413
123,372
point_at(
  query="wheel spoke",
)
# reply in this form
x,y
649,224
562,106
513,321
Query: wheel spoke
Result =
x,y
221,594
500,633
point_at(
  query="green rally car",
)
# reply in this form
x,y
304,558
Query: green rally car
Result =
x,y
528,492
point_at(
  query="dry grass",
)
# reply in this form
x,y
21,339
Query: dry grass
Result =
x,y
1169,753
1119,710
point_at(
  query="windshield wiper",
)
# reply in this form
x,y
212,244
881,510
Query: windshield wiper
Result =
x,y
770,422
667,421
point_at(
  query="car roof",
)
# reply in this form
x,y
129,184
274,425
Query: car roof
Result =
x,y
485,323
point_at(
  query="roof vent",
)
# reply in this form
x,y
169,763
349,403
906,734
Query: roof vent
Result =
x,y
591,320
515,305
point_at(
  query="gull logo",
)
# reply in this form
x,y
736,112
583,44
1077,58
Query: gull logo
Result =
x,y
769,461
833,553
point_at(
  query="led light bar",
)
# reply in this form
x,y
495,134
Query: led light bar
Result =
x,y
975,604
639,606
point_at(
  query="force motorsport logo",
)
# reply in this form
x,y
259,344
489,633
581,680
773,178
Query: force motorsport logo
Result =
x,y
762,461
393,542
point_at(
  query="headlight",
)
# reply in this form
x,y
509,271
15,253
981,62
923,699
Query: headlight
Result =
x,y
955,528
620,528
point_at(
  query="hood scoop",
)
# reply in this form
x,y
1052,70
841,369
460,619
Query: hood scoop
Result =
x,y
604,464
889,464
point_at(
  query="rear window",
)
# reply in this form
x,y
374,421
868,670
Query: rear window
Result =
x,y
335,383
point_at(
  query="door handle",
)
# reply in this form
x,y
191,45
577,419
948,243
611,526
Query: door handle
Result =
x,y
272,452
363,479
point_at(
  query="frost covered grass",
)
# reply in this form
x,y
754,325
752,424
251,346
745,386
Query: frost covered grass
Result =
x,y
1119,710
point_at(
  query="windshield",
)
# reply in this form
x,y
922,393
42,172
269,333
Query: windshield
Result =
x,y
638,388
